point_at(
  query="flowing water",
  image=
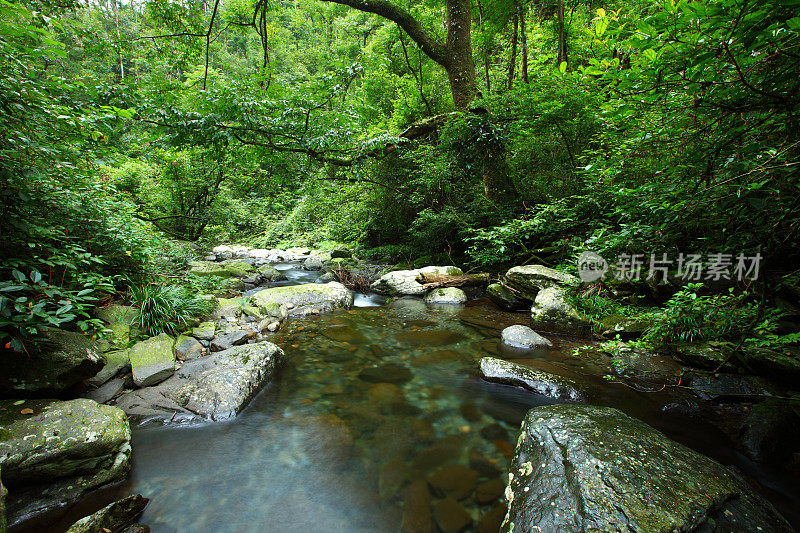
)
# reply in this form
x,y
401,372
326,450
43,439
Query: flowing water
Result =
x,y
371,400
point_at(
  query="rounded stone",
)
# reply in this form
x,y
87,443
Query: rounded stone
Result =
x,y
523,337
446,295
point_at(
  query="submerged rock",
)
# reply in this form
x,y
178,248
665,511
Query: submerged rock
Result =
x,y
505,299
300,299
55,362
538,381
53,452
446,295
404,282
523,337
112,517
152,360
552,312
215,387
450,516
528,280
771,432
585,468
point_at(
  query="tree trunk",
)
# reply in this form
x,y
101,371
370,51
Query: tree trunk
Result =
x,y
523,33
513,63
434,281
562,35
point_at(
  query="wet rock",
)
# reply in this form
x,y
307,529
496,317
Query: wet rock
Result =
x,y
187,348
551,312
728,387
491,521
643,367
152,360
393,474
771,432
385,395
237,268
446,295
524,337
441,452
450,516
490,491
482,465
216,387
344,334
437,357
503,298
494,432
207,269
55,362
456,481
404,282
625,328
417,509
270,273
708,355
300,299
389,373
59,451
528,280
429,338
538,381
774,365
113,517
106,391
228,340
312,263
624,476
115,362
331,442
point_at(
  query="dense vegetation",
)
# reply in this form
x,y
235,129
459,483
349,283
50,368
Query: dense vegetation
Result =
x,y
134,132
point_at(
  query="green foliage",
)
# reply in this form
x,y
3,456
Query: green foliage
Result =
x,y
166,308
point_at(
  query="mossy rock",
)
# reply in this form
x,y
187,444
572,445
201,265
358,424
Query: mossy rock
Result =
x,y
271,273
152,360
322,297
115,361
404,282
528,280
774,365
551,312
114,313
503,298
205,331
207,269
237,268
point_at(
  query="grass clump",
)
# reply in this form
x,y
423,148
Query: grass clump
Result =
x,y
166,308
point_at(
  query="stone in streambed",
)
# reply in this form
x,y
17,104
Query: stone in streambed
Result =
x,y
107,391
624,476
204,332
404,282
523,337
450,516
491,521
302,299
538,381
501,296
152,360
457,481
770,432
116,362
113,517
389,373
270,273
551,312
429,338
528,280
227,341
490,491
417,509
446,295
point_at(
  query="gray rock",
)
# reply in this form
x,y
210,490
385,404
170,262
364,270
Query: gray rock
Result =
x,y
56,361
222,252
187,348
404,282
312,263
238,268
152,360
551,312
585,468
642,367
728,387
115,313
270,273
538,381
301,299
229,340
207,269
204,332
505,299
710,356
446,295
523,337
112,517
216,387
107,391
115,362
58,451
528,280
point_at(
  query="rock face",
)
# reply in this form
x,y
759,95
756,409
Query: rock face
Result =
x,y
302,299
152,360
551,311
446,295
112,517
58,360
215,387
538,381
524,338
774,365
404,282
59,452
582,468
528,280
504,298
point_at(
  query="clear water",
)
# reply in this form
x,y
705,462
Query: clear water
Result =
x,y
372,399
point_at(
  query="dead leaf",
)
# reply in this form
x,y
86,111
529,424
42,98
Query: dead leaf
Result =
x,y
27,411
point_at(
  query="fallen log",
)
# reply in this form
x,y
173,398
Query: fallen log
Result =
x,y
436,281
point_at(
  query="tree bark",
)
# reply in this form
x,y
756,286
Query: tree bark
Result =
x,y
513,63
523,33
562,35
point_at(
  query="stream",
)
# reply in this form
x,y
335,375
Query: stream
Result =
x,y
371,400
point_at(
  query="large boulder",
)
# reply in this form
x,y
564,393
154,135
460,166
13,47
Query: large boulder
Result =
x,y
216,387
504,298
112,517
115,313
152,360
207,269
404,282
446,295
528,280
55,362
53,452
551,312
306,298
538,381
223,252
270,273
523,337
586,468
238,269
